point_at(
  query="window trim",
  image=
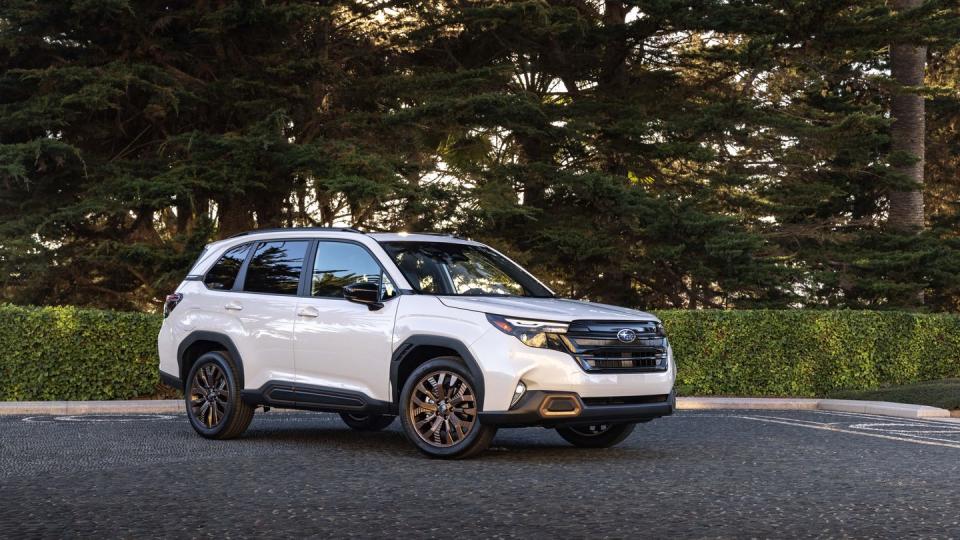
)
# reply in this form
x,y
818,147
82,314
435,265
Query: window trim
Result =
x,y
308,278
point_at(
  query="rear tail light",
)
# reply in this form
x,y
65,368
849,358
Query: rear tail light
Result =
x,y
171,302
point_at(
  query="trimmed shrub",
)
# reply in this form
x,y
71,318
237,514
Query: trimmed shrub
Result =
x,y
66,353
807,353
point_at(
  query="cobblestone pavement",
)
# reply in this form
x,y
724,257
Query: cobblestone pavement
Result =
x,y
696,474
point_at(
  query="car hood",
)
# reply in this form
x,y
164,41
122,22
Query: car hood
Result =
x,y
550,309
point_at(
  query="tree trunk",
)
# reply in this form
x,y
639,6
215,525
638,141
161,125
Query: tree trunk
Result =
x,y
234,216
907,132
614,70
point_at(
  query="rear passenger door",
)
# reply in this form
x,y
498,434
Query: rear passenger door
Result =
x,y
264,301
343,345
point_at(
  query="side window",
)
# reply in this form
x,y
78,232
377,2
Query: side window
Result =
x,y
339,264
422,272
275,267
222,275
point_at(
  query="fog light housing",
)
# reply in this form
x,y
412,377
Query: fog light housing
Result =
x,y
560,405
518,393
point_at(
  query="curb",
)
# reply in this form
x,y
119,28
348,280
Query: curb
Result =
x,y
761,404
144,406
176,406
882,408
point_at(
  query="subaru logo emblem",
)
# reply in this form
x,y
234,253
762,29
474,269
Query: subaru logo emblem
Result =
x,y
626,335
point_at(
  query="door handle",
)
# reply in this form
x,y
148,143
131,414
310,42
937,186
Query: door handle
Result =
x,y
308,312
233,306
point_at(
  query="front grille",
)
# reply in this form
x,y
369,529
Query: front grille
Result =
x,y
595,345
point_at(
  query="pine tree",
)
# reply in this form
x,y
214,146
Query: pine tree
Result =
x,y
655,153
133,132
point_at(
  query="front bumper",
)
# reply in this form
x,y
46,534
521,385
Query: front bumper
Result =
x,y
505,361
551,409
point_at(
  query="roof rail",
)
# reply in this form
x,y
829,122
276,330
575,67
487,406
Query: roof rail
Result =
x,y
451,235
294,229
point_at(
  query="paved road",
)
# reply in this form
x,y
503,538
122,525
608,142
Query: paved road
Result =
x,y
717,474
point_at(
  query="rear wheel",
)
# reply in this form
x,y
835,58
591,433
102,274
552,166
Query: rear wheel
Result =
x,y
213,399
596,435
439,409
367,422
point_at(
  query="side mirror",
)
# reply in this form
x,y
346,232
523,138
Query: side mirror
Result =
x,y
364,293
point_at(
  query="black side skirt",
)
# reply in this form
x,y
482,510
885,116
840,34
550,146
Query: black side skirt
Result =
x,y
286,395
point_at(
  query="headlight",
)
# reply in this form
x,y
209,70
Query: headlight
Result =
x,y
539,334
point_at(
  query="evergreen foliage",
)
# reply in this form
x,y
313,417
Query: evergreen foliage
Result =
x,y
653,153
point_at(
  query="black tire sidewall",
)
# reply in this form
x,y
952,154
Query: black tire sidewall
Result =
x,y
223,362
613,436
480,434
370,422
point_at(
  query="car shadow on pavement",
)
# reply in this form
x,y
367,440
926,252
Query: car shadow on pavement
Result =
x,y
509,445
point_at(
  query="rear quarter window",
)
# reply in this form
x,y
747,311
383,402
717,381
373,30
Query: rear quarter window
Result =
x,y
223,274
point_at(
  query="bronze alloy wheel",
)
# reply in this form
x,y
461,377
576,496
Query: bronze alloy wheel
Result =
x,y
442,408
209,395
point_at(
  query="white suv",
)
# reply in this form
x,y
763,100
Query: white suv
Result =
x,y
448,334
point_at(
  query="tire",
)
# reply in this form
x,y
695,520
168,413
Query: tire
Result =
x,y
446,431
213,413
596,436
367,422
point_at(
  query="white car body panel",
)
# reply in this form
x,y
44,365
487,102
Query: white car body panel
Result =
x,y
263,325
549,309
346,346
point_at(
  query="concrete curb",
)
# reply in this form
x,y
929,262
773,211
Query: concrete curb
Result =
x,y
61,408
762,404
175,406
882,408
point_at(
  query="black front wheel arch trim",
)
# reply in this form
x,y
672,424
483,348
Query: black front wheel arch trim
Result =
x,y
412,343
215,337
171,380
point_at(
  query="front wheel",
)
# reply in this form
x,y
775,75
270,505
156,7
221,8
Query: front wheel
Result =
x,y
366,422
439,409
596,435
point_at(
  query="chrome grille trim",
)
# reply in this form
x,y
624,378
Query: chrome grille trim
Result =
x,y
595,346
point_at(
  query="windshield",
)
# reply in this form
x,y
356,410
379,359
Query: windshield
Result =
x,y
444,268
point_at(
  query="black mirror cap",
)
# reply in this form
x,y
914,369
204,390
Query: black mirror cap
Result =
x,y
364,293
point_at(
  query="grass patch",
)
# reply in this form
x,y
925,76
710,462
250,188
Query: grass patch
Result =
x,y
944,394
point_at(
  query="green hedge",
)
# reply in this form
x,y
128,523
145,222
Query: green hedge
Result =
x,y
69,353
809,353
65,353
